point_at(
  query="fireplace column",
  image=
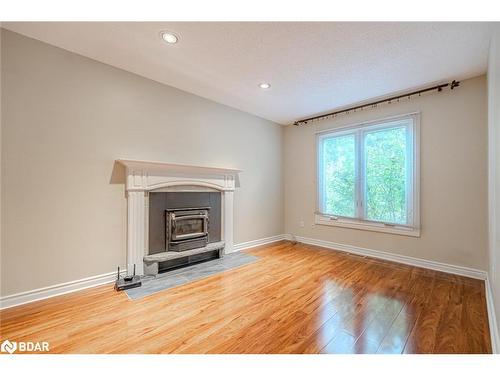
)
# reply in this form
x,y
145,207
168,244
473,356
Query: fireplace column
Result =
x,y
136,230
227,220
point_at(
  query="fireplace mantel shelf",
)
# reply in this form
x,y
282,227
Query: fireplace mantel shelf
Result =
x,y
159,165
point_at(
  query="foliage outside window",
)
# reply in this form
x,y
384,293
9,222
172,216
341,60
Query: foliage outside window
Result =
x,y
368,173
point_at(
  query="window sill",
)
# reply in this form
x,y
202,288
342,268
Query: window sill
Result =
x,y
363,225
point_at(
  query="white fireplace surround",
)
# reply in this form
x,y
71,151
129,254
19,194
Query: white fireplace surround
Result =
x,y
143,177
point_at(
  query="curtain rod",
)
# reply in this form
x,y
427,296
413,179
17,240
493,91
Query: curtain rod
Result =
x,y
439,88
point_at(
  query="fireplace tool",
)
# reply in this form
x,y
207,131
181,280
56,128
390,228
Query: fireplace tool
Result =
x,y
127,282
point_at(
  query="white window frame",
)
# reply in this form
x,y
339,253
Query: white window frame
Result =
x,y
413,182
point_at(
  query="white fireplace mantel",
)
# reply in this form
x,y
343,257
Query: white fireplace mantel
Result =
x,y
145,176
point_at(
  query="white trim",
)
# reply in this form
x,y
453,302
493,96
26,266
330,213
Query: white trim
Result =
x,y
89,282
57,290
260,241
492,321
417,262
365,225
93,281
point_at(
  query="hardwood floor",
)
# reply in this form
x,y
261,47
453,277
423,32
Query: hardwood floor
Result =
x,y
295,299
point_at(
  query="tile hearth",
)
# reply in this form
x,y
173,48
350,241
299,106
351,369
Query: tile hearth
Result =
x,y
163,281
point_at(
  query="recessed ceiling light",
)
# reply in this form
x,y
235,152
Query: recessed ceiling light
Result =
x,y
169,37
264,85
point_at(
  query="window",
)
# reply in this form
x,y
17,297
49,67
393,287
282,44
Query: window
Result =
x,y
368,176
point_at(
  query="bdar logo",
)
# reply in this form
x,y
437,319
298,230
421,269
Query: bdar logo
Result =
x,y
9,347
24,346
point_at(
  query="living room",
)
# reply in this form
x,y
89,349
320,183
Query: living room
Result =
x,y
245,188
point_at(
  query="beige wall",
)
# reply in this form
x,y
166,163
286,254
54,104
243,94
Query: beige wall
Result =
x,y
66,119
494,168
453,188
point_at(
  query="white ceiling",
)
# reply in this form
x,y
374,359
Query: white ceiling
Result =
x,y
313,67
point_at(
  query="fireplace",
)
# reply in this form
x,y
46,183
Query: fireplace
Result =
x,y
186,228
147,223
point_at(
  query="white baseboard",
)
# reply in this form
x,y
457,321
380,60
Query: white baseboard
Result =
x,y
495,340
259,242
417,262
56,290
89,282
437,266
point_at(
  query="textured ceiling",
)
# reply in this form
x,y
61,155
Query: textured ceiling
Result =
x,y
313,67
